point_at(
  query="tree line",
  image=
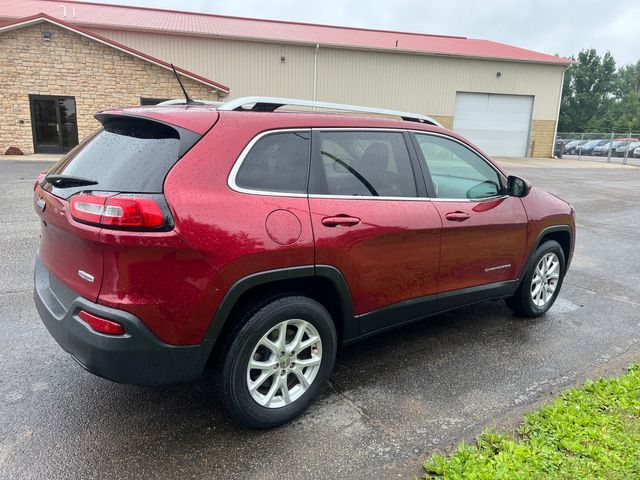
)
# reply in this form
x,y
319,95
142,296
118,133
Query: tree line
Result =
x,y
597,96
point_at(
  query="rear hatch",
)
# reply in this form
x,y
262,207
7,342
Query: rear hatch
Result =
x,y
121,168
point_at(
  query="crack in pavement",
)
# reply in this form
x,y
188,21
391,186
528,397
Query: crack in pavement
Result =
x,y
375,423
17,292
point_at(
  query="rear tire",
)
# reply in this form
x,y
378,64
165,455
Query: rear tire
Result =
x,y
541,283
291,343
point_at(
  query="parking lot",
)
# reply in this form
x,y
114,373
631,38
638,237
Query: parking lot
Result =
x,y
392,399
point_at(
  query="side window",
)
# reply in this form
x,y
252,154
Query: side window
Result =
x,y
278,162
363,163
456,171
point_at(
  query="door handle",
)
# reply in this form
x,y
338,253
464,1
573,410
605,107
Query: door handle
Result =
x,y
457,216
340,221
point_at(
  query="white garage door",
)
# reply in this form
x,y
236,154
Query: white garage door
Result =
x,y
498,124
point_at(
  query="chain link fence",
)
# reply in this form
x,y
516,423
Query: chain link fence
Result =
x,y
610,147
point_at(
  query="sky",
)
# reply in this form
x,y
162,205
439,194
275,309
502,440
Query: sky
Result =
x,y
558,26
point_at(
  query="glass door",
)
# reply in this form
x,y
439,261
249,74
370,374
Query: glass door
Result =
x,y
54,123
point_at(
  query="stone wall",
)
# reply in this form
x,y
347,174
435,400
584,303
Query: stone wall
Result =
x,y
97,75
542,137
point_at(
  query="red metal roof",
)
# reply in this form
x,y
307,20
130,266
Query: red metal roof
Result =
x,y
188,23
41,17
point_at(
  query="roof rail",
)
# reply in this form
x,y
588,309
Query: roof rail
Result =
x,y
271,104
182,101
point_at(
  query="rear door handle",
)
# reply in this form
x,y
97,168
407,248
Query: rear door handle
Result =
x,y
340,221
457,216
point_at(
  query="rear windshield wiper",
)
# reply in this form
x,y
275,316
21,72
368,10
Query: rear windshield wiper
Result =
x,y
65,181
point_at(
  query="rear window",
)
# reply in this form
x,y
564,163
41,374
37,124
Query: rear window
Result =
x,y
126,155
278,162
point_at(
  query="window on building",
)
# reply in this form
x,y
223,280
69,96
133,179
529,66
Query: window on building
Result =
x,y
152,101
364,163
278,162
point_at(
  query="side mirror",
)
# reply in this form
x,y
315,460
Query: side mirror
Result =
x,y
517,187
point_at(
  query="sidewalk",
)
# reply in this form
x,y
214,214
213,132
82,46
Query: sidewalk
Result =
x,y
37,157
556,163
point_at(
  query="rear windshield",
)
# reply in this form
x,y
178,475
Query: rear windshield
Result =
x,y
126,155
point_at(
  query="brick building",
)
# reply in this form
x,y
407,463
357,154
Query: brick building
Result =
x,y
61,61
55,77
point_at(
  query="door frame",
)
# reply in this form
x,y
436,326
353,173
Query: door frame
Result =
x,y
60,148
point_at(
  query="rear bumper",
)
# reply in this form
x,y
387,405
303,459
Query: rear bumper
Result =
x,y
137,358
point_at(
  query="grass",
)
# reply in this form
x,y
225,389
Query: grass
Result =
x,y
590,432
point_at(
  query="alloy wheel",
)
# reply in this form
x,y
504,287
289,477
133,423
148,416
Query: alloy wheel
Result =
x,y
545,279
284,363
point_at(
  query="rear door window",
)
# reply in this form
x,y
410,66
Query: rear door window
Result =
x,y
277,162
363,163
127,155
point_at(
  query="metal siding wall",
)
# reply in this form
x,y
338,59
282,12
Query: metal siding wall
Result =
x,y
427,84
249,68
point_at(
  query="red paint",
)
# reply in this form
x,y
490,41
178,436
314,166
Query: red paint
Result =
x,y
387,250
546,210
493,235
283,227
391,255
67,246
97,15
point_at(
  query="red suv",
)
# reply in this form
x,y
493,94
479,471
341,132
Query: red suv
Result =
x,y
259,241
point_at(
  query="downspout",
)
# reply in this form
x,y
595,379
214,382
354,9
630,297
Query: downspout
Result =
x,y
315,72
555,130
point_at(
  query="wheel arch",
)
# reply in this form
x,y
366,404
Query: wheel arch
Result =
x,y
323,283
562,234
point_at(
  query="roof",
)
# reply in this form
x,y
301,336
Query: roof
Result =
x,y
41,17
99,15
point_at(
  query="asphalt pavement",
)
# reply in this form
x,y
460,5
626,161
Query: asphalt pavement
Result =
x,y
392,399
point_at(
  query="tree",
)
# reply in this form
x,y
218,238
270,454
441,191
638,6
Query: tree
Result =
x,y
598,98
628,79
587,95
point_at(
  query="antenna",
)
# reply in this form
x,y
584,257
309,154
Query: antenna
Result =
x,y
187,99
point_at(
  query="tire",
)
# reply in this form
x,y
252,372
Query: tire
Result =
x,y
528,301
283,394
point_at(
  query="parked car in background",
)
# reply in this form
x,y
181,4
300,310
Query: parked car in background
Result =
x,y
603,150
258,242
570,148
636,152
587,148
627,146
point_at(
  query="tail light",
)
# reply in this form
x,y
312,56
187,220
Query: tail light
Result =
x,y
117,211
101,325
40,178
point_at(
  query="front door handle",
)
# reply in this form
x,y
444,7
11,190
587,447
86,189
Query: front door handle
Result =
x,y
457,216
340,221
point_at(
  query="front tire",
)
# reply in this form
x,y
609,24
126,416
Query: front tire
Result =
x,y
541,283
280,357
